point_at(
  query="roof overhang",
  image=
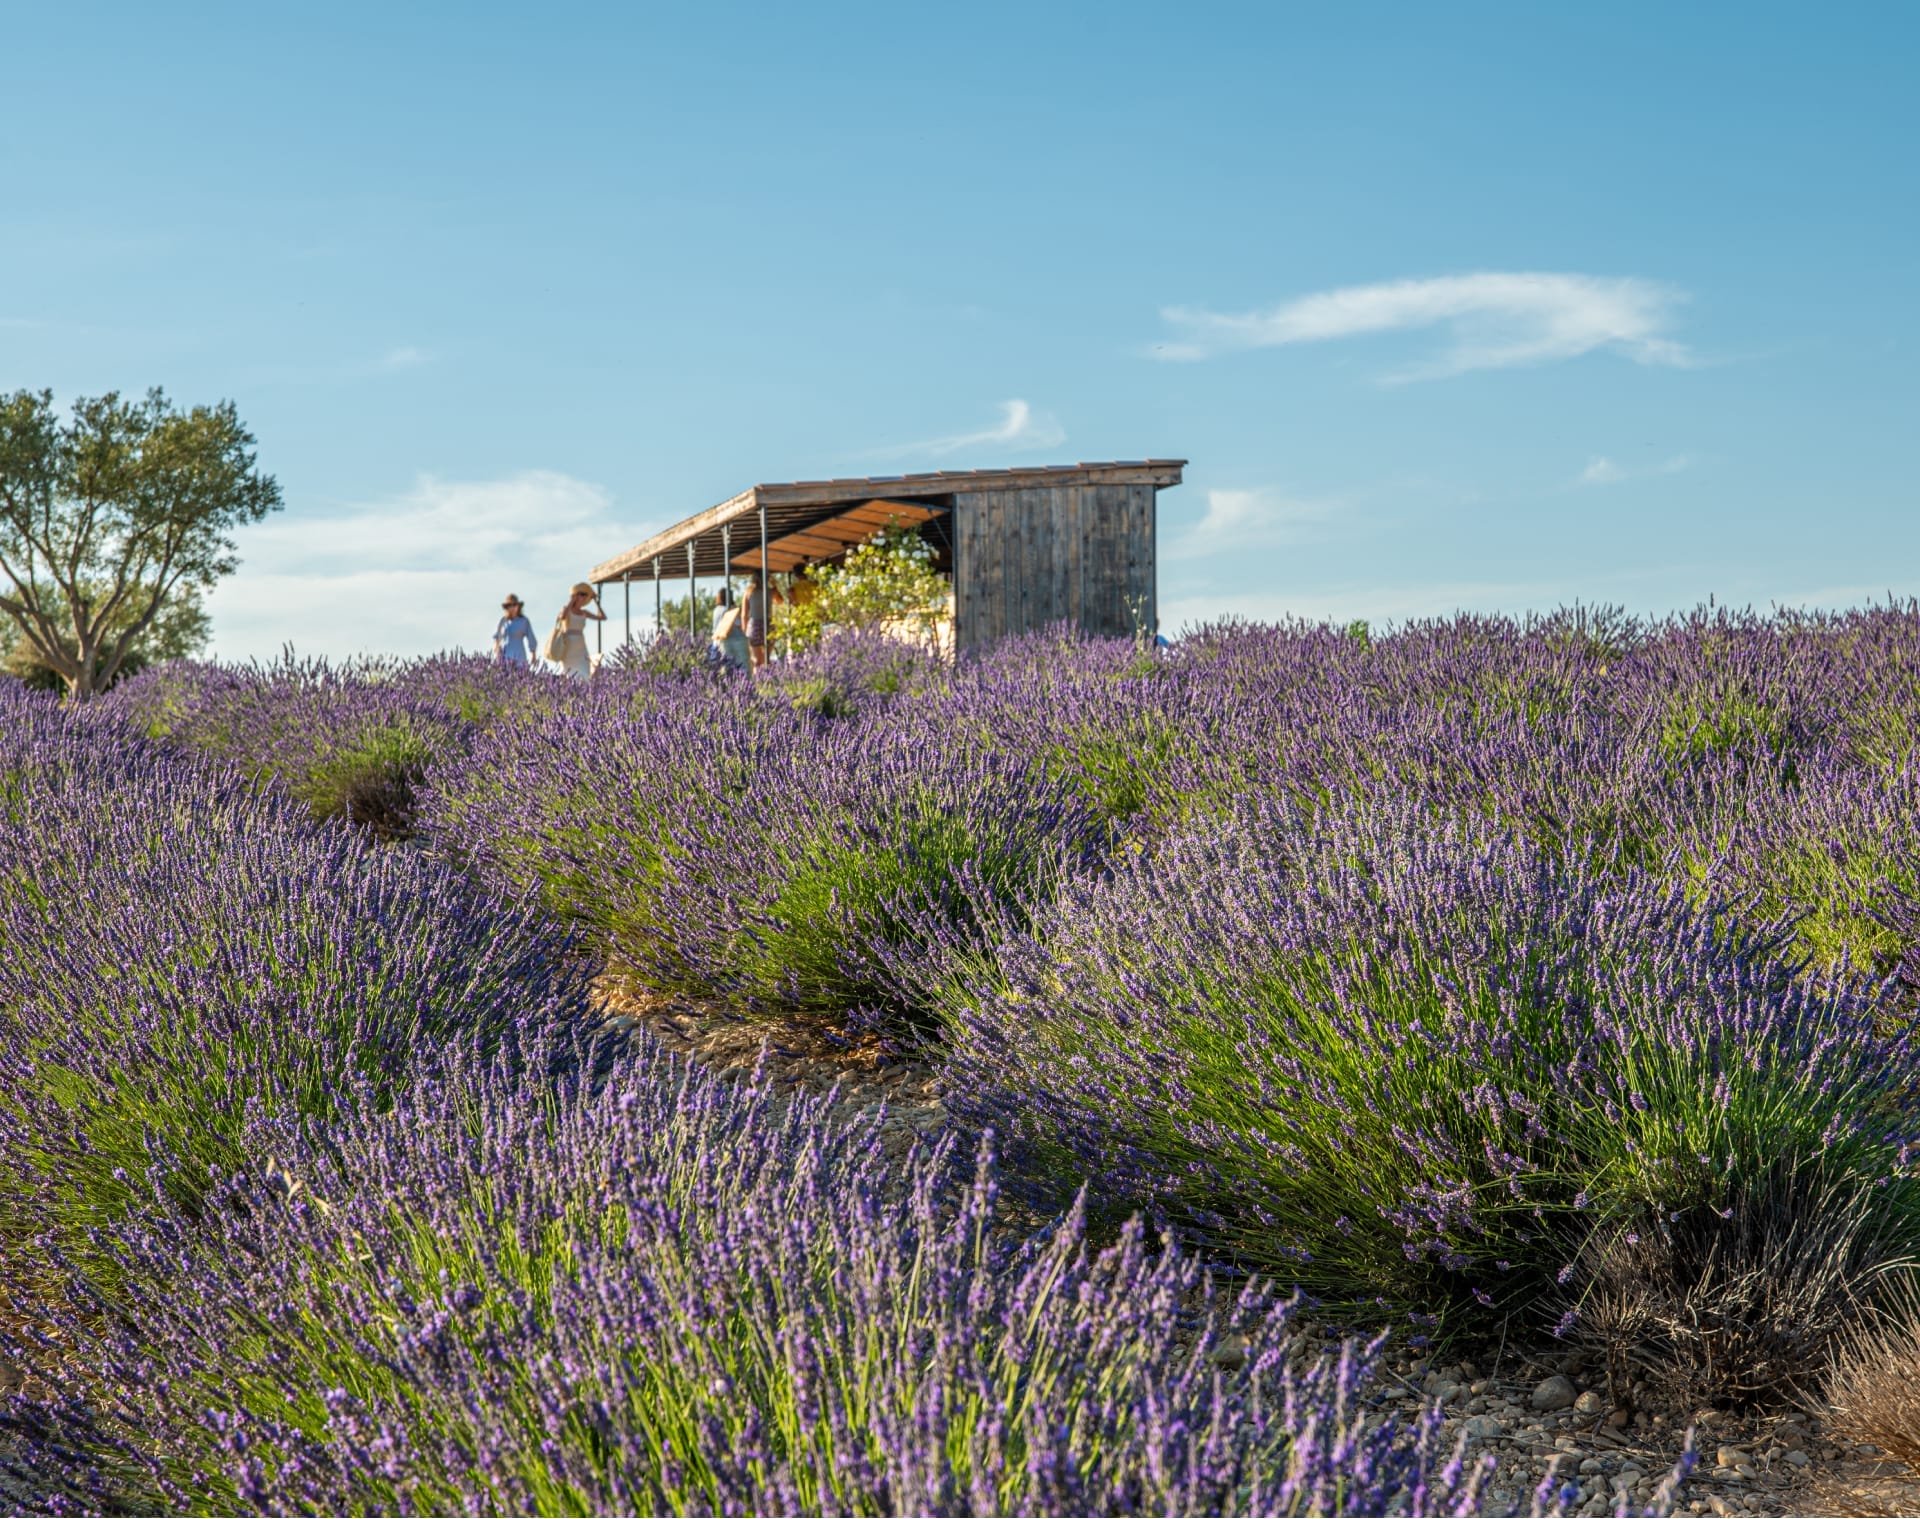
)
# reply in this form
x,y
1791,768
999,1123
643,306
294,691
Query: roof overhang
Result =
x,y
813,520
832,536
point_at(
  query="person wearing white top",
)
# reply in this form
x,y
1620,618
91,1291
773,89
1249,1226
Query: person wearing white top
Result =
x,y
578,611
730,631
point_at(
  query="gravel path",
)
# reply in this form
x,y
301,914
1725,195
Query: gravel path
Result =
x,y
799,1059
1768,1464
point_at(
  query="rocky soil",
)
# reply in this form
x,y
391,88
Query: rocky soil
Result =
x,y
15,1498
1537,1421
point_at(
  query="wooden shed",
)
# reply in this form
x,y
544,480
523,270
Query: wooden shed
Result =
x,y
1024,547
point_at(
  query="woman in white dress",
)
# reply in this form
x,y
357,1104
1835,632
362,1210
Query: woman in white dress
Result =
x,y
579,610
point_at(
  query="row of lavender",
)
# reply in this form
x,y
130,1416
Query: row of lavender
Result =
x,y
313,1197
1439,968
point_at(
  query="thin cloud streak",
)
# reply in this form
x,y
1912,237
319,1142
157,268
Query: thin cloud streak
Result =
x,y
1602,470
1020,427
1492,321
1382,605
418,572
1245,519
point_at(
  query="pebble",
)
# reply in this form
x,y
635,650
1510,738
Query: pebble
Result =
x,y
1732,1455
1587,1403
1484,1427
1797,1458
1230,1353
1553,1394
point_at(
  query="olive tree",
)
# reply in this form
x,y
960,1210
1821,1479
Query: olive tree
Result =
x,y
113,516
179,631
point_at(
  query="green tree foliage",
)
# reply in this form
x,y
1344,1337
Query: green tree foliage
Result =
x,y
113,516
887,581
674,614
178,631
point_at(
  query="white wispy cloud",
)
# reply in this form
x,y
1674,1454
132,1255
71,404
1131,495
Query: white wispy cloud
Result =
x,y
1186,608
404,358
1602,470
420,571
1019,427
1237,520
1490,320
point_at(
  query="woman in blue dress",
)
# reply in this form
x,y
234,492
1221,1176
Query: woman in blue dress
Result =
x,y
513,641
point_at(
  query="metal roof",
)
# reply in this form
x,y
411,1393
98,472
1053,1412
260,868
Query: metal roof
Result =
x,y
811,520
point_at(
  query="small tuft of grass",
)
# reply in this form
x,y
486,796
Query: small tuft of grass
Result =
x,y
1743,1305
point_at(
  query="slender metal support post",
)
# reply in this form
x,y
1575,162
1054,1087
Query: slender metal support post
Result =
x,y
765,582
599,647
693,595
659,623
626,592
726,555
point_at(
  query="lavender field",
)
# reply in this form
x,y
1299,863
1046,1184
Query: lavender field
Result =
x,y
1305,1003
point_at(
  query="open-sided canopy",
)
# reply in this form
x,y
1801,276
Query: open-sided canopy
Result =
x,y
828,537
814,520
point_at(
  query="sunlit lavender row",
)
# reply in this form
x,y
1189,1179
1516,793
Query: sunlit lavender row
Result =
x,y
321,1197
1435,974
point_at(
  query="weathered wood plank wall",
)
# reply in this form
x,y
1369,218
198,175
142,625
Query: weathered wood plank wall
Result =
x,y
1082,554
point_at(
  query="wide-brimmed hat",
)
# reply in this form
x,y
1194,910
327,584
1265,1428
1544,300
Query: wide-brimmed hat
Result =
x,y
583,589
512,601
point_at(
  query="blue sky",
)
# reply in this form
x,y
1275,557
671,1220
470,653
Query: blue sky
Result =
x,y
1483,306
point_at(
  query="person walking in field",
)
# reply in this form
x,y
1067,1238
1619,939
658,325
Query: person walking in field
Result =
x,y
513,640
730,630
570,633
759,617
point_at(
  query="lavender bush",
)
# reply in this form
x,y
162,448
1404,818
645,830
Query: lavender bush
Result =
x,y
352,744
663,1293
748,850
181,953
1424,1061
